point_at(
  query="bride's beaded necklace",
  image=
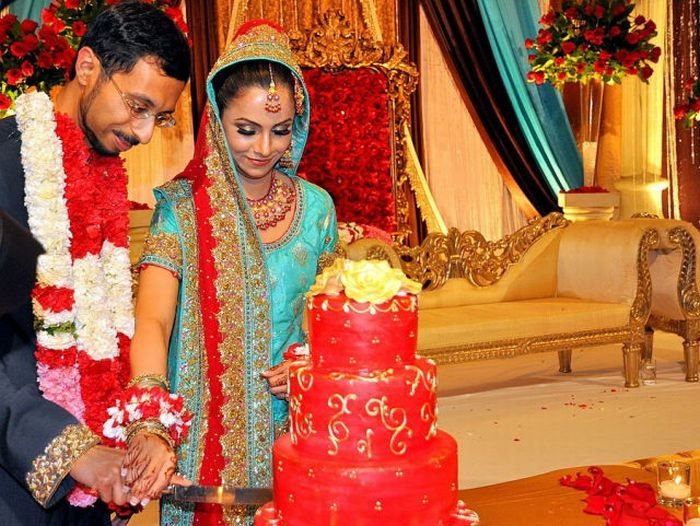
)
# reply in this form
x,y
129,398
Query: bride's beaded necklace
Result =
x,y
274,205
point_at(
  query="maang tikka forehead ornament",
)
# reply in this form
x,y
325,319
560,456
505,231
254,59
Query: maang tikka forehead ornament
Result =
x,y
262,39
272,104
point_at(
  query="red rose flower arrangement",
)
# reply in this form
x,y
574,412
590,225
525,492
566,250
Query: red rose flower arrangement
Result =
x,y
587,39
41,56
689,111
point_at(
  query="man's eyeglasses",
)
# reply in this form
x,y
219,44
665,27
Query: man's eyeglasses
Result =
x,y
141,112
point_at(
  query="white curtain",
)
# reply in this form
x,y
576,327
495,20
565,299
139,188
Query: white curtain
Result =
x,y
464,179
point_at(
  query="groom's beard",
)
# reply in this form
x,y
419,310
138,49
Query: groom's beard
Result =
x,y
85,105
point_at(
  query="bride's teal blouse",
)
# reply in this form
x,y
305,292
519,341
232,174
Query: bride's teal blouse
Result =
x,y
292,264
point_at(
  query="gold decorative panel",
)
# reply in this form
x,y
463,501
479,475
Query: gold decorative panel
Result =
x,y
468,254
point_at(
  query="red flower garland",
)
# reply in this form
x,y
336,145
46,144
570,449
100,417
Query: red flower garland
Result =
x,y
96,199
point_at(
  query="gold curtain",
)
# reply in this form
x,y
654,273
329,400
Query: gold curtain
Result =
x,y
298,15
464,179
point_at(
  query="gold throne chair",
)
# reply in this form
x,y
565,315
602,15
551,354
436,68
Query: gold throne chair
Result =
x,y
360,148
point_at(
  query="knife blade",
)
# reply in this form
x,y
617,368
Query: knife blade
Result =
x,y
224,495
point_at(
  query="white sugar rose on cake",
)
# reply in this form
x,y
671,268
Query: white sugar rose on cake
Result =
x,y
364,447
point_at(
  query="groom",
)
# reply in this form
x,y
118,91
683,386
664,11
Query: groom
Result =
x,y
130,69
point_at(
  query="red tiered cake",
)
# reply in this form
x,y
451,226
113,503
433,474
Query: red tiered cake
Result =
x,y
364,447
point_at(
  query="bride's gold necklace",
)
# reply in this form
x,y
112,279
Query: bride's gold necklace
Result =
x,y
274,205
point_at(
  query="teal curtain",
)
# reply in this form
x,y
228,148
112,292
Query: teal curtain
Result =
x,y
539,109
28,8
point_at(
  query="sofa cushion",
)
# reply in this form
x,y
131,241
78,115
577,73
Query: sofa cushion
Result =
x,y
463,325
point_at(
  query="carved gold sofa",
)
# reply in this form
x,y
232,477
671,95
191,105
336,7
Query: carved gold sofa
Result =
x,y
675,300
551,286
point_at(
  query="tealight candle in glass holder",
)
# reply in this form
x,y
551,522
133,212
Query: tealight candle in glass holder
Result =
x,y
673,482
691,511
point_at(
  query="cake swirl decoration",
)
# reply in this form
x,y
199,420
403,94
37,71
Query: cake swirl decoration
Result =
x,y
338,431
392,419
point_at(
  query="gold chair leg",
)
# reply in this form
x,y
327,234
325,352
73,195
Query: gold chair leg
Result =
x,y
648,349
631,356
690,351
565,361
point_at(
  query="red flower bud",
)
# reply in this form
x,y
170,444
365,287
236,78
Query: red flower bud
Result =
x,y
44,60
7,21
599,11
680,111
646,72
18,49
14,76
28,25
529,43
79,28
72,4
27,68
633,37
31,42
568,47
5,102
639,20
655,54
614,31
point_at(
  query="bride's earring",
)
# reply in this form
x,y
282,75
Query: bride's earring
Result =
x,y
286,160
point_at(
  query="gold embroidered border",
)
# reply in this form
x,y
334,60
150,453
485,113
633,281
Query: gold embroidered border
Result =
x,y
51,467
163,248
193,365
247,417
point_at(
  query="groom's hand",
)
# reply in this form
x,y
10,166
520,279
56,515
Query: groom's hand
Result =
x,y
100,469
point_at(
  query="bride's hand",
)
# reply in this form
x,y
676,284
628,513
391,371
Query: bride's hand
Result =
x,y
149,465
278,380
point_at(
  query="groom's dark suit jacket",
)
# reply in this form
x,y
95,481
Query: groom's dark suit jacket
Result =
x,y
28,422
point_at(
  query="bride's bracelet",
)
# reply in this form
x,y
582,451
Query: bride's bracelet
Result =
x,y
149,409
152,426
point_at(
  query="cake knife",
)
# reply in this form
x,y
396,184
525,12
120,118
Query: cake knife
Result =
x,y
224,495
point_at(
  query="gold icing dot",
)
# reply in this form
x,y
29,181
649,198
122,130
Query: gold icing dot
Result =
x,y
411,334
378,506
333,340
280,466
311,473
395,317
352,361
425,499
375,340
399,473
334,506
352,474
347,324
398,359
291,497
453,486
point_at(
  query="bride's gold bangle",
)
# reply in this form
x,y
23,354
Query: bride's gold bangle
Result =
x,y
150,380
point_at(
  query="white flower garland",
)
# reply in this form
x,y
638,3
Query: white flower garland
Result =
x,y
101,282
